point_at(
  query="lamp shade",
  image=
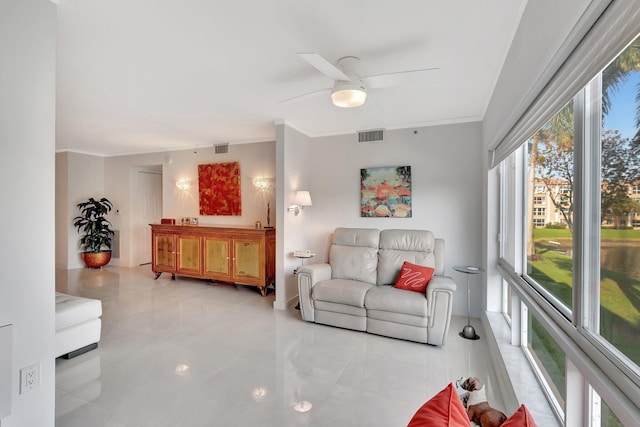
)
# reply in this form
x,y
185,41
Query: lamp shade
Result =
x,y
303,198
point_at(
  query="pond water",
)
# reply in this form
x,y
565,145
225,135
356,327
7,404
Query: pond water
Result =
x,y
615,255
622,258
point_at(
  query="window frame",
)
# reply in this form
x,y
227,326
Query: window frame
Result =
x,y
612,375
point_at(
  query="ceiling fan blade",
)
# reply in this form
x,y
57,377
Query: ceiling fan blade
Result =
x,y
392,79
315,92
324,66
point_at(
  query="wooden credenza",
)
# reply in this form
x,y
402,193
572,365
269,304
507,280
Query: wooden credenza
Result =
x,y
243,255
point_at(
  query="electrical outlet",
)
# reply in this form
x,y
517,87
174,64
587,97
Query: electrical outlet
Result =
x,y
29,378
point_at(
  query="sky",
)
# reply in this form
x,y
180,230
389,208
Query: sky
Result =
x,y
621,116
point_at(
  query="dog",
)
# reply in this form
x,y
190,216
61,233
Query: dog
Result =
x,y
475,400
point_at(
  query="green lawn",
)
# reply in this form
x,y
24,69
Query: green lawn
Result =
x,y
619,294
619,301
605,234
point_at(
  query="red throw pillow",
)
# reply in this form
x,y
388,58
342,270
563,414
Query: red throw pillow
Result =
x,y
442,410
520,418
414,277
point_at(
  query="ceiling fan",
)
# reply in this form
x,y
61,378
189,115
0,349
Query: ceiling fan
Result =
x,y
350,89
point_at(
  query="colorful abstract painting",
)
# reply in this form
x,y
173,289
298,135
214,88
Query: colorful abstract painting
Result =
x,y
385,192
219,189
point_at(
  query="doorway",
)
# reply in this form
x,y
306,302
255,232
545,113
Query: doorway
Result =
x,y
147,209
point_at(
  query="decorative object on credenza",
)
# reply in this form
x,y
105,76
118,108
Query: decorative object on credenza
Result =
x,y
268,216
385,192
263,184
302,199
96,231
219,189
189,220
170,221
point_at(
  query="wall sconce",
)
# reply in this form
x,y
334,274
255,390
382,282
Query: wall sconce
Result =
x,y
262,183
302,199
183,184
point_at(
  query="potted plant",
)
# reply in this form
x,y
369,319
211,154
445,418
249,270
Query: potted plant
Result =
x,y
96,231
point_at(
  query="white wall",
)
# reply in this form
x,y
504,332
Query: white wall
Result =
x,y
62,211
293,159
115,178
447,184
78,177
27,248
446,177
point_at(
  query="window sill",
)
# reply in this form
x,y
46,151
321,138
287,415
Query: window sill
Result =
x,y
515,376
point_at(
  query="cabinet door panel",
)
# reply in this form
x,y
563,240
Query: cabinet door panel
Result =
x,y
164,251
247,259
189,254
216,256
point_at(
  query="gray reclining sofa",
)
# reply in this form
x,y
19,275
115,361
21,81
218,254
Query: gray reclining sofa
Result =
x,y
355,289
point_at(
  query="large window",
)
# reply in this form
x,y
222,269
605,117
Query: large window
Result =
x,y
602,415
550,168
620,169
549,359
574,260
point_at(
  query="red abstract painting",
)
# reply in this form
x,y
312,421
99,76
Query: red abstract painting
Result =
x,y
219,189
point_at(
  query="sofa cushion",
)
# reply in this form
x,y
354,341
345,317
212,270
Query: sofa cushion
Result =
x,y
407,240
354,254
389,298
341,291
354,263
365,237
414,277
442,410
340,308
398,318
398,246
72,310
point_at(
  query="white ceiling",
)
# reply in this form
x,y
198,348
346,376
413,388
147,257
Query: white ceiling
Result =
x,y
150,75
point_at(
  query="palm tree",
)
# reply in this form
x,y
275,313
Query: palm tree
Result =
x,y
559,129
615,74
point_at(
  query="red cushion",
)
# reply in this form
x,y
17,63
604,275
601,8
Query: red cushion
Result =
x,y
414,277
520,418
442,410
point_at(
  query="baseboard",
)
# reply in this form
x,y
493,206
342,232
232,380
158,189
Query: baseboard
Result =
x,y
278,305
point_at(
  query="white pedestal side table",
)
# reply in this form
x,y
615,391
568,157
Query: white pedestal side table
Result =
x,y
468,331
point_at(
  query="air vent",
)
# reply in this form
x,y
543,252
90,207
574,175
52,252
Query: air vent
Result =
x,y
371,135
222,148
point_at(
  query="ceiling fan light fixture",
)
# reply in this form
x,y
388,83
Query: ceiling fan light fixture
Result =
x,y
348,95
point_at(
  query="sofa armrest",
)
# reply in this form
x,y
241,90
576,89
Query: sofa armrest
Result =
x,y
440,302
308,276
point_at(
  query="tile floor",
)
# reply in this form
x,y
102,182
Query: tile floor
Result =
x,y
193,353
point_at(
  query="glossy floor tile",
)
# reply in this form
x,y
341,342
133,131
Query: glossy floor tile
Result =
x,y
194,353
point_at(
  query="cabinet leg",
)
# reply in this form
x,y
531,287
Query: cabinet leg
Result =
x,y
157,275
263,291
173,276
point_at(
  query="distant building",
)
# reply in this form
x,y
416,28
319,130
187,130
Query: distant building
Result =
x,y
545,211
